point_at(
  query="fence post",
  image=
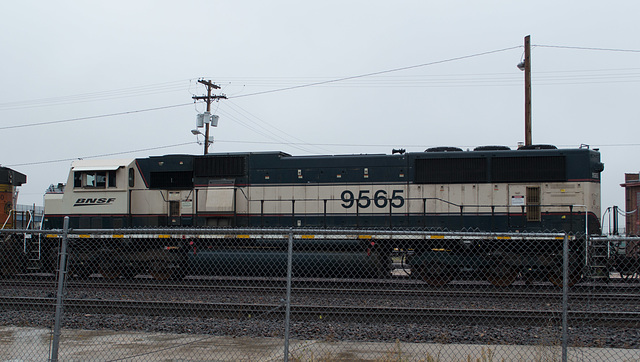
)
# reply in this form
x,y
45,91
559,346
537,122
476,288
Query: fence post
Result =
x,y
565,296
287,318
61,275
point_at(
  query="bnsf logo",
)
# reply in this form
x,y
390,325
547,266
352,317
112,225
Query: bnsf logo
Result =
x,y
90,202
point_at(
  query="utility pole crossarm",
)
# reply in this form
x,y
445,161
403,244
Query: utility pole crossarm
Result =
x,y
204,98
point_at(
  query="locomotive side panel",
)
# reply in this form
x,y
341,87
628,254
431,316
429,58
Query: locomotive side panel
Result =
x,y
357,191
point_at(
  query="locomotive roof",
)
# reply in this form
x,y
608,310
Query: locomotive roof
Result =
x,y
272,155
11,177
100,165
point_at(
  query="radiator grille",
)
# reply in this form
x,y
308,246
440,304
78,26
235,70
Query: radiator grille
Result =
x,y
220,166
528,169
451,170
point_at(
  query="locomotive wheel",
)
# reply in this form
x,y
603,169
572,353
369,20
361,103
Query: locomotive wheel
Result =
x,y
160,274
108,265
502,276
78,268
13,258
129,273
110,273
555,277
109,270
7,270
163,272
436,274
159,271
79,272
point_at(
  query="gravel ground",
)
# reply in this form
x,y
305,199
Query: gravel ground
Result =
x,y
335,331
263,326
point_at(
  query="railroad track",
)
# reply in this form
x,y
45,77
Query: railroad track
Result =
x,y
328,313
328,283
386,289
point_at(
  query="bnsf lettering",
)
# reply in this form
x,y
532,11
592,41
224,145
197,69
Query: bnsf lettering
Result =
x,y
97,201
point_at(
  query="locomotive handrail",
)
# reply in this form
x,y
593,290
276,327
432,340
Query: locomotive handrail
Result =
x,y
301,231
7,220
418,199
34,231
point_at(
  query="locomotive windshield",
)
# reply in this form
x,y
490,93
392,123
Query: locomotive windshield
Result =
x,y
94,179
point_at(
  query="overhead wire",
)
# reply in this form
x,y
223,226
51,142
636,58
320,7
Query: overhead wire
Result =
x,y
169,86
378,72
102,155
175,85
586,48
459,80
93,117
237,108
270,135
152,89
542,80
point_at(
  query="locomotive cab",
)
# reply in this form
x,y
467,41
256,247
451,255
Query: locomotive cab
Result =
x,y
94,197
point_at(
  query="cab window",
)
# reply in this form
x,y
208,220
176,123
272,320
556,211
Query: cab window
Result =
x,y
94,179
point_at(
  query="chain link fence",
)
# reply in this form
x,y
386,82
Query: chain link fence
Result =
x,y
317,295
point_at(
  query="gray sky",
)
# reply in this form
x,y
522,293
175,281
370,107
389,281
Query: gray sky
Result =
x,y
66,60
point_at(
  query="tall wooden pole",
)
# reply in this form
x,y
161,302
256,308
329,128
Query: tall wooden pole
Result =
x,y
206,133
208,98
527,90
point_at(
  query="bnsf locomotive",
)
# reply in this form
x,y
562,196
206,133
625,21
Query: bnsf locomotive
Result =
x,y
488,189
533,189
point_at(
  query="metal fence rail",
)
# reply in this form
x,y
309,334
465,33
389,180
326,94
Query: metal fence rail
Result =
x,y
316,294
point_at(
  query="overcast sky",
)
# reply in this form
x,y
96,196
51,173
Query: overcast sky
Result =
x,y
444,74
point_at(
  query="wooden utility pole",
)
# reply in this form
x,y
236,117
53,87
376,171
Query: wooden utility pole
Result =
x,y
208,98
527,90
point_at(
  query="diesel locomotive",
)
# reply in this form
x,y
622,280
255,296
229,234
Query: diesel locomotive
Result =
x,y
533,189
488,189
445,193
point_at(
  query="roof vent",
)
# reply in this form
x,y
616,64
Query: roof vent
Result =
x,y
492,148
443,149
538,147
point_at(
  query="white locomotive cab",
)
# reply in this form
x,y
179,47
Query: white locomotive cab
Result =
x,y
93,187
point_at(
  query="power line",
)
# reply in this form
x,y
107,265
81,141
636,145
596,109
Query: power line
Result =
x,y
377,73
269,91
97,96
587,48
438,83
269,133
97,156
94,117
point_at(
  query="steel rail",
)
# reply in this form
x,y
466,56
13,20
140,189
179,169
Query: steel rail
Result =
x,y
328,313
332,290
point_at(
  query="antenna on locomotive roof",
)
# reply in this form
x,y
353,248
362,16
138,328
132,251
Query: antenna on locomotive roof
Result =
x,y
214,119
